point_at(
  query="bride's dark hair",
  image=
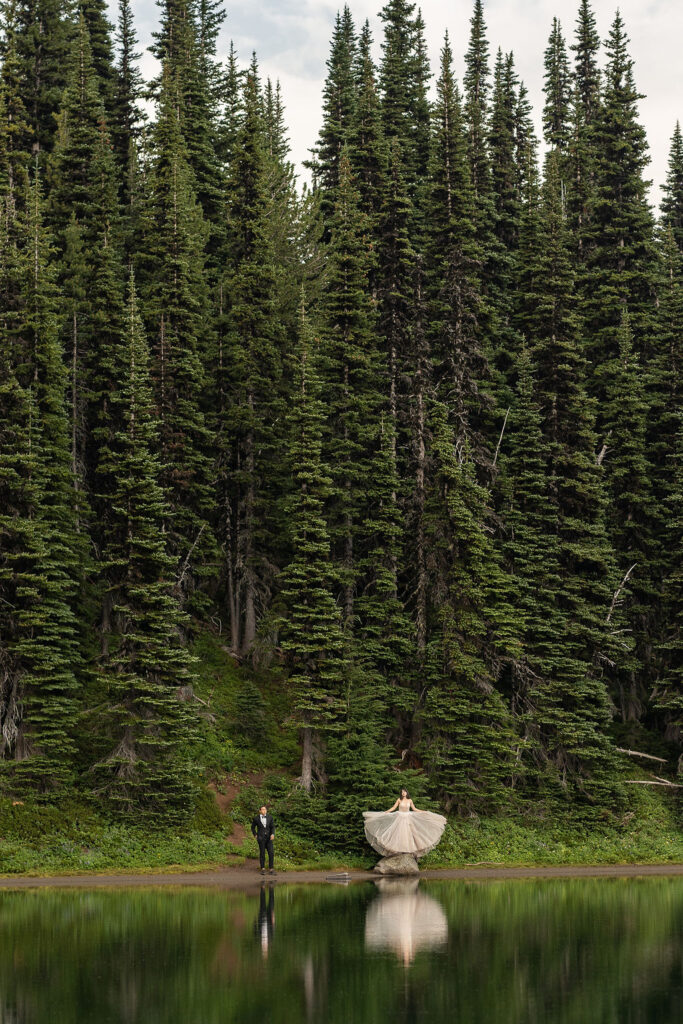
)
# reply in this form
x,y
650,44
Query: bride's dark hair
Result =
x,y
402,791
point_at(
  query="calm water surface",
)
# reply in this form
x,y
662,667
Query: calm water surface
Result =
x,y
599,951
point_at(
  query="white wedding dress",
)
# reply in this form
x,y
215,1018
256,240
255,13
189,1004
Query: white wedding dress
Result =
x,y
394,832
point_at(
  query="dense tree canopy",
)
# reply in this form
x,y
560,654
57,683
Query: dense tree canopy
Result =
x,y
412,437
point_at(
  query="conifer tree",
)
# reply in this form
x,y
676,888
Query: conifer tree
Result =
x,y
252,380
310,631
630,516
39,568
351,383
339,102
586,71
145,673
403,80
585,105
173,289
557,88
668,689
127,116
230,108
531,556
367,150
475,113
83,214
457,314
394,286
210,16
579,709
179,49
502,144
663,443
619,251
43,39
468,742
94,14
672,202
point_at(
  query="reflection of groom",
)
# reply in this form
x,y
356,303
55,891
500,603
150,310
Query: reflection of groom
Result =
x,y
265,922
263,828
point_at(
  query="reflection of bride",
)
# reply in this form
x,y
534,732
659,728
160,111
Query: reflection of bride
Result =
x,y
404,920
409,830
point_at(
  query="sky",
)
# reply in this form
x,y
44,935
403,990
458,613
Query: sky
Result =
x,y
291,39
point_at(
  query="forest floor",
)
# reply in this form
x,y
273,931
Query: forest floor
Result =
x,y
247,876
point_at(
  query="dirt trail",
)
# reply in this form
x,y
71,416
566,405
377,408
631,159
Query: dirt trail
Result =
x,y
246,876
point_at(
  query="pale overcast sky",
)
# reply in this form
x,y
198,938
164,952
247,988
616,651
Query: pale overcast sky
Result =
x,y
291,39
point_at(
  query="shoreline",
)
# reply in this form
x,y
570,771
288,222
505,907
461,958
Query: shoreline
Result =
x,y
246,878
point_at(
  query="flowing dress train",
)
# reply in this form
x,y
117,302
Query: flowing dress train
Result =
x,y
394,832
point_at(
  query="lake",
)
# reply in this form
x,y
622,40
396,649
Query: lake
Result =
x,y
579,951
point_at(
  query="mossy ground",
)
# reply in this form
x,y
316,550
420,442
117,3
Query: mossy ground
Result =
x,y
249,746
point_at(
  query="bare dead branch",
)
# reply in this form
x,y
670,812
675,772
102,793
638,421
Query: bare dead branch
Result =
x,y
500,439
639,753
603,451
651,782
618,591
186,563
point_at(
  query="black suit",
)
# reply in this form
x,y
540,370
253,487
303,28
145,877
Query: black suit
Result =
x,y
263,834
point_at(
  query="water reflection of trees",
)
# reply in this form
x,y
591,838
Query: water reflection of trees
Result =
x,y
564,952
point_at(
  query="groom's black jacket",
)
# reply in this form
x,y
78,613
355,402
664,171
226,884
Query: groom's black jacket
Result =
x,y
261,833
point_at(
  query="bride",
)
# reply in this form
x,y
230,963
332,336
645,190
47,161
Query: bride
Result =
x,y
403,828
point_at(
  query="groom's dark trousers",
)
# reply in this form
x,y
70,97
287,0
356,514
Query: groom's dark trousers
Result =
x,y
265,843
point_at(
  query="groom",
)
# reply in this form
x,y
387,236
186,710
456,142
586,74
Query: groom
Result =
x,y
263,828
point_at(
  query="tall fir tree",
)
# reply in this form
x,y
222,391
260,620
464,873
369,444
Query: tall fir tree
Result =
x,y
477,90
310,631
43,39
94,13
39,650
145,673
558,91
576,736
631,518
585,105
367,150
619,242
457,313
351,385
468,742
83,214
672,201
173,290
403,80
339,102
252,378
668,689
127,116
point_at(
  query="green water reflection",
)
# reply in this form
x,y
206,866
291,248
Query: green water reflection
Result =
x,y
557,952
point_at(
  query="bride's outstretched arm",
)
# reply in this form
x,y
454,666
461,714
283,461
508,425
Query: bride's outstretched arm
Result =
x,y
414,808
392,808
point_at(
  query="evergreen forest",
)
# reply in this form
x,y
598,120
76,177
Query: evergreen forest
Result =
x,y
403,443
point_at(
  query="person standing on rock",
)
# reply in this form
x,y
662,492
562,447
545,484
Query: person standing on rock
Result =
x,y
403,829
263,830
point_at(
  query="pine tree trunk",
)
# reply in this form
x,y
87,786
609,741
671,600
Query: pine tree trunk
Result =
x,y
249,633
307,759
421,609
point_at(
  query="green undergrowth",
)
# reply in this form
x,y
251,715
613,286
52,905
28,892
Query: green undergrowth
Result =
x,y
247,741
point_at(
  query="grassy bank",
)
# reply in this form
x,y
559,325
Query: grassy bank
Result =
x,y
74,838
250,748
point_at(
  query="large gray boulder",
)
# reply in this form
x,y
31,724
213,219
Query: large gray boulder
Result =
x,y
400,864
